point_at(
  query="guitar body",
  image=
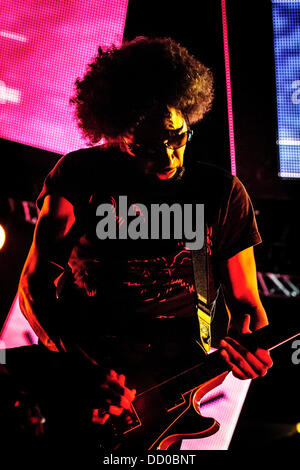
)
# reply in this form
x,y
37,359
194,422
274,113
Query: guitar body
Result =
x,y
169,412
165,424
161,416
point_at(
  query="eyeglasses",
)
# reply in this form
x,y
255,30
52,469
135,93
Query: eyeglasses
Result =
x,y
174,141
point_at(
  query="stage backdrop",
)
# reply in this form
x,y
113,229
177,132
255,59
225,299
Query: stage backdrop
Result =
x,y
286,25
45,46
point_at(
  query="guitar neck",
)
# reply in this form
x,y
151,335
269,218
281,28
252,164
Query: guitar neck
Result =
x,y
214,365
269,337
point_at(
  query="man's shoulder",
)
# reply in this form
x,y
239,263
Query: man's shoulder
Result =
x,y
87,156
99,163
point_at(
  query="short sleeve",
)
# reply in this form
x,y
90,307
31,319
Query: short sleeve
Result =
x,y
66,179
237,228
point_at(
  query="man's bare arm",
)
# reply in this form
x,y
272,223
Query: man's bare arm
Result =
x,y
50,249
247,314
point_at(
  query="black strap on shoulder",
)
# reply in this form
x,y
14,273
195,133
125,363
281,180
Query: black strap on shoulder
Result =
x,y
203,308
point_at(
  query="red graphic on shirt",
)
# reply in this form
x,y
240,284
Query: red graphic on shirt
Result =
x,y
209,239
160,278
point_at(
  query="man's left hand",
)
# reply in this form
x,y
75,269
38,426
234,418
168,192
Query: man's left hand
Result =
x,y
245,364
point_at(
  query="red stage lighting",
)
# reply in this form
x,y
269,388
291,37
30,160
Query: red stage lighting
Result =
x,y
2,237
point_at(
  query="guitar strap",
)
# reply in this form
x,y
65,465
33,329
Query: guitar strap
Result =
x,y
200,260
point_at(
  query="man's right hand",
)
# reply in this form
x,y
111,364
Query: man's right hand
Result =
x,y
114,397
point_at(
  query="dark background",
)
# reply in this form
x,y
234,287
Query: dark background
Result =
x,y
272,404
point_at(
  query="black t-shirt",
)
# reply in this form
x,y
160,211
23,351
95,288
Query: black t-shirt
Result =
x,y
124,283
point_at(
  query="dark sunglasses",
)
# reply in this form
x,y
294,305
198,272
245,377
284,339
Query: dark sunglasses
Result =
x,y
174,141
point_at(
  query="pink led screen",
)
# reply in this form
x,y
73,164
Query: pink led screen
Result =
x,y
45,45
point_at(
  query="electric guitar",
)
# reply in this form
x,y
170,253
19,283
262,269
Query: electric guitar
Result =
x,y
168,412
161,415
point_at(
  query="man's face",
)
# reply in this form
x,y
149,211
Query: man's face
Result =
x,y
154,143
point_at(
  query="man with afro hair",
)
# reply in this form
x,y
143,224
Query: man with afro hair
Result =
x,y
128,304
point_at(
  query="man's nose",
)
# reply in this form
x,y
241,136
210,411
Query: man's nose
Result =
x,y
166,154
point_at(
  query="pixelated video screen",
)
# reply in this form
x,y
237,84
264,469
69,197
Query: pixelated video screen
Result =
x,y
45,45
286,26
